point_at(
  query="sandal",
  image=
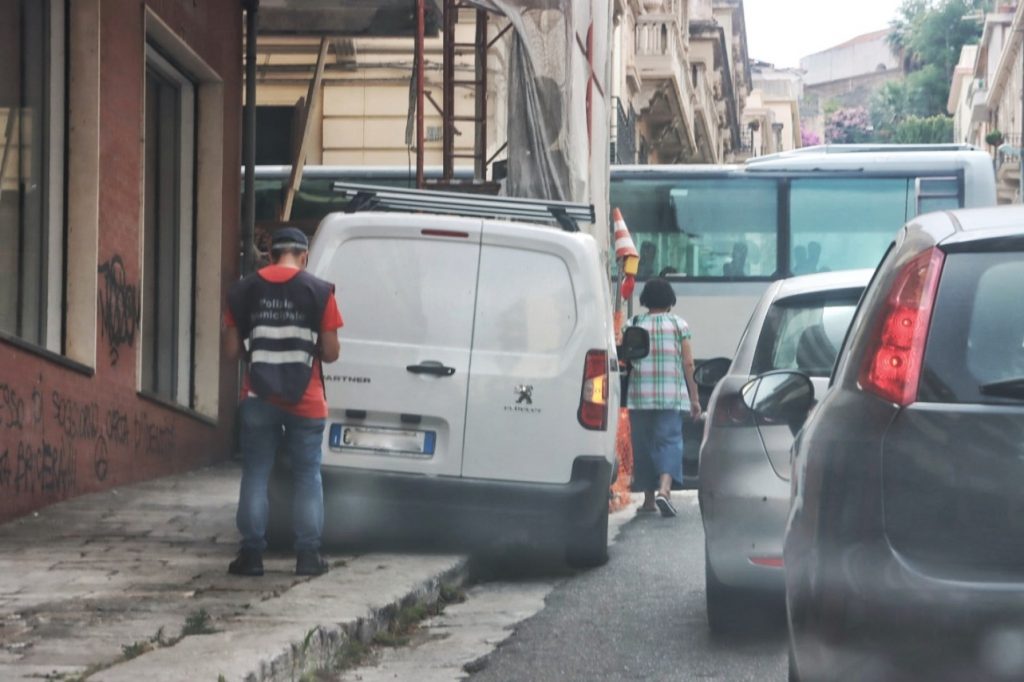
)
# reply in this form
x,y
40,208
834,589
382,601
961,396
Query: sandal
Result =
x,y
664,506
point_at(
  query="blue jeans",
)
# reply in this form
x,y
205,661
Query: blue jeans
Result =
x,y
264,430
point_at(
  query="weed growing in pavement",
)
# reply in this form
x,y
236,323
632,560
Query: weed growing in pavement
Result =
x,y
136,649
408,617
198,623
353,653
452,594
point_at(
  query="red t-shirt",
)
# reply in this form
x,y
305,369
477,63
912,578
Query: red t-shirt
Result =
x,y
312,404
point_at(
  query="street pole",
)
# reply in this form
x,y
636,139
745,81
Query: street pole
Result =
x,y
421,29
249,138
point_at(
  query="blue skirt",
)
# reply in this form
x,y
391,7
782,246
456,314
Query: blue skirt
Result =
x,y
657,437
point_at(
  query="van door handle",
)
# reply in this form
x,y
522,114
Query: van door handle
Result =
x,y
431,367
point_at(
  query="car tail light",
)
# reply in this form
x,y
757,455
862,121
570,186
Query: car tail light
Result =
x,y
767,561
729,410
892,365
593,412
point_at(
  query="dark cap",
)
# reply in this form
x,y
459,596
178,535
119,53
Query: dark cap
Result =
x,y
286,238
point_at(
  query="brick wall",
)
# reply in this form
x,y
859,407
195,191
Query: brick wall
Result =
x,y
66,431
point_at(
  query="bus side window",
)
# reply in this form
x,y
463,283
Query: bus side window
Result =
x,y
936,194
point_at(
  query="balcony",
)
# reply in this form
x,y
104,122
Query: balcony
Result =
x,y
977,97
706,116
623,138
666,92
1008,169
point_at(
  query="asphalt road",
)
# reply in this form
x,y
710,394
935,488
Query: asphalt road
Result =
x,y
641,617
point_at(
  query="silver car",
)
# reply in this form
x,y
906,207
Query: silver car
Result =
x,y
799,323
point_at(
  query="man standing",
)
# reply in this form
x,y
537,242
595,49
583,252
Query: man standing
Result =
x,y
285,321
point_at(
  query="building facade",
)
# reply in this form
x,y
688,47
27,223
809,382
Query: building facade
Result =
x,y
676,82
771,119
986,93
686,74
119,184
846,76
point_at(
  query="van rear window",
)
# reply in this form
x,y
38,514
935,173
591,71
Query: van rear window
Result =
x,y
406,291
977,331
526,302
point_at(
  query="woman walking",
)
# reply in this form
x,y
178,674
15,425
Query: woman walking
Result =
x,y
661,388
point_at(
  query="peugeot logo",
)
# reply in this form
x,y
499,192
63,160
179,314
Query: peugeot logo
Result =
x,y
525,394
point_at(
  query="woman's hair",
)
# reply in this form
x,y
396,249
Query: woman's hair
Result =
x,y
657,293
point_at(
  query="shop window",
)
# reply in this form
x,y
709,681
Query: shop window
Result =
x,y
32,133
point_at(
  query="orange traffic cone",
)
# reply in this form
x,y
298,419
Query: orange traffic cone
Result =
x,y
626,253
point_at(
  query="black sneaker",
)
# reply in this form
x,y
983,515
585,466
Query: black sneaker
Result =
x,y
309,562
248,562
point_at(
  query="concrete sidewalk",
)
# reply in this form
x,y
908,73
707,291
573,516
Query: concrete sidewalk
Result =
x,y
102,587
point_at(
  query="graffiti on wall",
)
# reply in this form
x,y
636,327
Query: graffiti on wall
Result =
x,y
48,444
120,306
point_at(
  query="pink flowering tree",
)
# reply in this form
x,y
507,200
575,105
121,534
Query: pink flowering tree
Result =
x,y
849,126
809,138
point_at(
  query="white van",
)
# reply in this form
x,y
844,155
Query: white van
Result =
x,y
475,388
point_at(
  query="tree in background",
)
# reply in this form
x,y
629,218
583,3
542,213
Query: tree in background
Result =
x,y
849,126
928,36
918,130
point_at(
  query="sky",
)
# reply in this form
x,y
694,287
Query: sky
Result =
x,y
783,31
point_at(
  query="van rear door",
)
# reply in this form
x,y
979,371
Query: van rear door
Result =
x,y
529,348
406,286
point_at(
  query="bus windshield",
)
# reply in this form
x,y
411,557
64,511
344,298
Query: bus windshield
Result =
x,y
740,227
717,227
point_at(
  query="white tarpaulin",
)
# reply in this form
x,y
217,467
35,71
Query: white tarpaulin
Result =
x,y
557,149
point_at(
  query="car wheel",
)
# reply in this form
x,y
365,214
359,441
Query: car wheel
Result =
x,y
724,603
588,547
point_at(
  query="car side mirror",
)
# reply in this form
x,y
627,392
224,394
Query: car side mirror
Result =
x,y
708,373
636,344
781,397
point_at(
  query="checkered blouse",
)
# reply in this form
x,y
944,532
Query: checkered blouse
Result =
x,y
658,382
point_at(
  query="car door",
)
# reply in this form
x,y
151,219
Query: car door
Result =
x,y
528,358
406,287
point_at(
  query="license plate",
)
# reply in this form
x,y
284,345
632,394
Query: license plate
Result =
x,y
350,437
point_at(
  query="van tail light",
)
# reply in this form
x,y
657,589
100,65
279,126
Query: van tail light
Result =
x,y
729,410
593,412
892,365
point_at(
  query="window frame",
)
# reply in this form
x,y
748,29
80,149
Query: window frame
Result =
x,y
183,263
48,336
213,176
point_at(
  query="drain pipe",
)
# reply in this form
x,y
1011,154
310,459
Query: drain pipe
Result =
x,y
249,139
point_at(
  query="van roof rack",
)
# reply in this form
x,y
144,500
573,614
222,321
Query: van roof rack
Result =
x,y
371,197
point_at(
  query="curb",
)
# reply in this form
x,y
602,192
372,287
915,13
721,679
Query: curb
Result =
x,y
276,652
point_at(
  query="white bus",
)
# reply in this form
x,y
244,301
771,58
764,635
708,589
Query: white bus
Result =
x,y
721,233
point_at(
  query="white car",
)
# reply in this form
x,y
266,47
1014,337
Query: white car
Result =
x,y
474,392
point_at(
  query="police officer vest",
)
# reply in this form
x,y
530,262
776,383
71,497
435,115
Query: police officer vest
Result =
x,y
279,323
